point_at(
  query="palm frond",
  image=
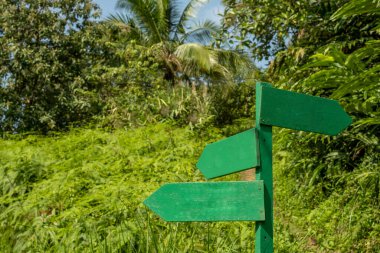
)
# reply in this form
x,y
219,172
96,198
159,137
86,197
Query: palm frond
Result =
x,y
127,24
327,78
217,64
357,7
369,52
190,11
236,62
196,56
347,74
163,16
173,14
365,81
201,32
198,60
319,60
368,121
161,23
145,14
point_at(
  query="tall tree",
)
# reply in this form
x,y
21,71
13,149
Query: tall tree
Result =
x,y
183,50
44,49
267,27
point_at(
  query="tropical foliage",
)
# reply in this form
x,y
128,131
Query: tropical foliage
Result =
x,y
45,50
266,28
140,94
326,186
183,49
84,191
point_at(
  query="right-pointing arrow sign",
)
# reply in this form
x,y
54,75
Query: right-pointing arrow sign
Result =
x,y
236,153
302,112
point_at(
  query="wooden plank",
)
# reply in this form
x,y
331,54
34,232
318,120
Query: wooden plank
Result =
x,y
236,153
264,229
216,201
302,112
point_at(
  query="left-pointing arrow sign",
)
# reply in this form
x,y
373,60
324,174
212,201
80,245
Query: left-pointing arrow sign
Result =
x,y
216,201
233,154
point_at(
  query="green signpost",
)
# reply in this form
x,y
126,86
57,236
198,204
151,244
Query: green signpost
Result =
x,y
250,201
301,112
216,201
234,154
264,229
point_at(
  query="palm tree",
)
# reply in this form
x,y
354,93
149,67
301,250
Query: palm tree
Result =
x,y
184,50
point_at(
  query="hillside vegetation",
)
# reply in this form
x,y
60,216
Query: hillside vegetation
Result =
x,y
96,115
84,190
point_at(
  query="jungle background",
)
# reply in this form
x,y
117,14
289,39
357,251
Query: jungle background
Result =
x,y
97,114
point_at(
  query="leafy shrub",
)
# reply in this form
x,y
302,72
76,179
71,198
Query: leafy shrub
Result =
x,y
85,191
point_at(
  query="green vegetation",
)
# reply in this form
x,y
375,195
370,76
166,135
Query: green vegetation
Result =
x,y
95,115
327,188
83,191
164,29
44,62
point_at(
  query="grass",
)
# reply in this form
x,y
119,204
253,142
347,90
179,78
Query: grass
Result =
x,y
82,191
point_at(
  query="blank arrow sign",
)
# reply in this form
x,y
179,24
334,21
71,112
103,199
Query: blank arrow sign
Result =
x,y
302,112
236,153
216,201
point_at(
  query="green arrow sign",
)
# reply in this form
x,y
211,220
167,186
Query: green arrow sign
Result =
x,y
233,201
302,112
217,201
236,153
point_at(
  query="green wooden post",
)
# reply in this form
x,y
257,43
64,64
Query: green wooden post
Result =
x,y
264,229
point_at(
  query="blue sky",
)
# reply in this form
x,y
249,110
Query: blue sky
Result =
x,y
208,11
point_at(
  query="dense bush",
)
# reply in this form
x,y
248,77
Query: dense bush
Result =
x,y
83,191
45,45
199,106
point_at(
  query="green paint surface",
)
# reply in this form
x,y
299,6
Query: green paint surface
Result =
x,y
236,153
302,112
264,229
216,201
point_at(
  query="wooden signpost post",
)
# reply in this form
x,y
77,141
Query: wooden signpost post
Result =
x,y
248,201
